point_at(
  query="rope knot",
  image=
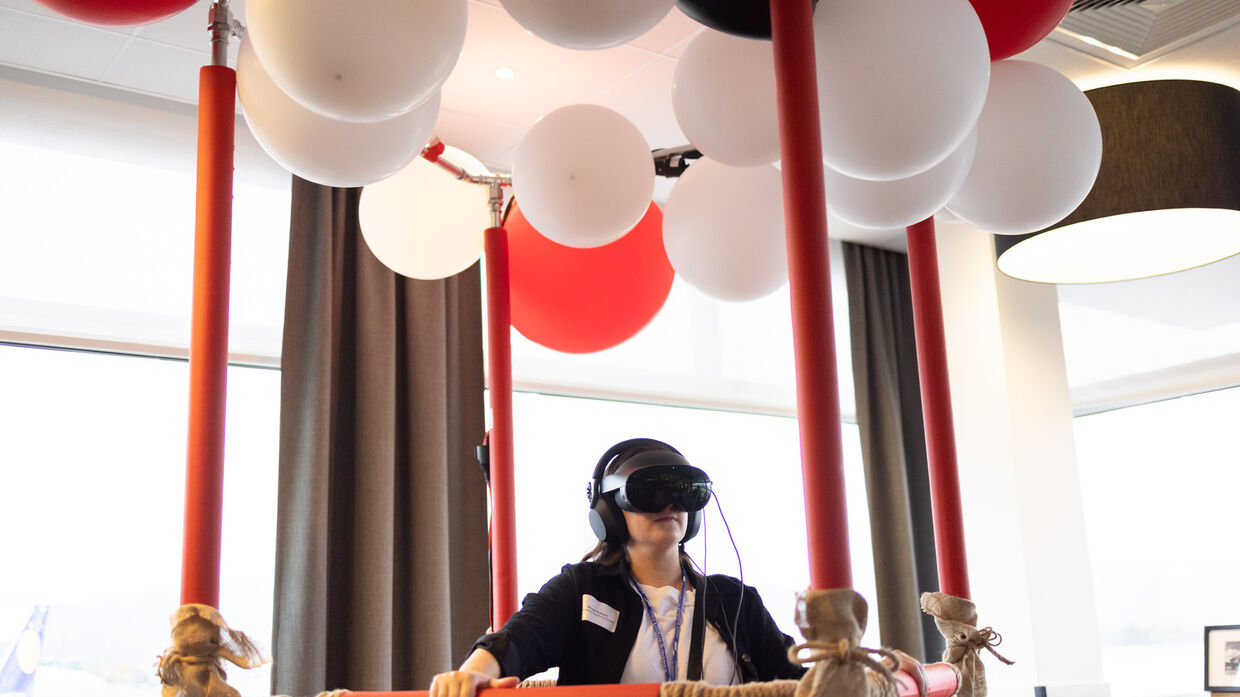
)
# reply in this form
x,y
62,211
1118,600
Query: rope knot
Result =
x,y
989,639
201,641
977,639
842,652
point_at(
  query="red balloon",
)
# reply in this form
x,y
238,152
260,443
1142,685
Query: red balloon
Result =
x,y
1014,25
120,13
580,300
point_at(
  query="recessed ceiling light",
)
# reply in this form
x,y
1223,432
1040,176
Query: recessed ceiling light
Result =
x,y
505,73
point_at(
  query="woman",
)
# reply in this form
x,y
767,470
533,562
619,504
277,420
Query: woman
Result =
x,y
626,613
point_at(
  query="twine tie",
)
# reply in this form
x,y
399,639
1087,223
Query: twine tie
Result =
x,y
841,652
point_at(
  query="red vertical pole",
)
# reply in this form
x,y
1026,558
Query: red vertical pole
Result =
x,y
809,277
936,406
499,379
208,353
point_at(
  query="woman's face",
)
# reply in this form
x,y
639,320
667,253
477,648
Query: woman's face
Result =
x,y
663,529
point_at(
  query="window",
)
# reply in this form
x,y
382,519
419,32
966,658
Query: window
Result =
x,y
1159,485
92,448
97,230
754,461
96,245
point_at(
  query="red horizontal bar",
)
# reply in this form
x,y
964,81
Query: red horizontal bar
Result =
x,y
940,682
641,690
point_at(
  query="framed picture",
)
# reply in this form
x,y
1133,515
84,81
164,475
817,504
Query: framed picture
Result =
x,y
1223,658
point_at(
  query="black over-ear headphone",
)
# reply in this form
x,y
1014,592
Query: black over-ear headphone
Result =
x,y
606,518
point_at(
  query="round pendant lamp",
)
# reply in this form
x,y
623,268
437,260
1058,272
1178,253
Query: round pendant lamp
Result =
x,y
1167,196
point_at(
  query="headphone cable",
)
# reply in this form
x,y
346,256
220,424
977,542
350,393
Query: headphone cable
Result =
x,y
740,569
735,626
483,454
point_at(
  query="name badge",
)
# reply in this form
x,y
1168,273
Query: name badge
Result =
x,y
599,612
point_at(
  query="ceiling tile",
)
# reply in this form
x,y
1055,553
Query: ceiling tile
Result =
x,y
547,76
158,69
645,97
187,29
489,139
675,29
54,45
29,6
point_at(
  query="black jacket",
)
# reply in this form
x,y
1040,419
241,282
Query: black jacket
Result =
x,y
549,630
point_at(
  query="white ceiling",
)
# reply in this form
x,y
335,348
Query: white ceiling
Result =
x,y
487,115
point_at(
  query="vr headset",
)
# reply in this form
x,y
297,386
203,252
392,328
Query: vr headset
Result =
x,y
647,482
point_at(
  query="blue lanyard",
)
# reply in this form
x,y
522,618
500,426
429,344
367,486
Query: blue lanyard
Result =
x,y
669,673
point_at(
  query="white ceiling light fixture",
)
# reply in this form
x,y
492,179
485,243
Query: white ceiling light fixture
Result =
x,y
1167,196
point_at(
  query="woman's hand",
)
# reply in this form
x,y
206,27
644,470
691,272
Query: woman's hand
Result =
x,y
464,683
914,669
479,670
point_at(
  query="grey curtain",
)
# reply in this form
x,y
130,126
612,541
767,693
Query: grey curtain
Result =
x,y
893,445
381,546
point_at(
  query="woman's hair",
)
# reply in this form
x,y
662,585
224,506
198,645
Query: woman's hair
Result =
x,y
610,553
606,553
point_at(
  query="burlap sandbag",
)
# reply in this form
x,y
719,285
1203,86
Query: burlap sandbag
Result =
x,y
687,688
201,642
956,619
833,622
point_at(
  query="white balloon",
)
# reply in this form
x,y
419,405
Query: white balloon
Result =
x,y
362,60
584,175
944,216
425,223
723,94
323,150
723,229
588,24
887,238
1039,147
900,202
900,84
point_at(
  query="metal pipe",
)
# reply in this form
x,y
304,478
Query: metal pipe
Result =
x,y
221,25
499,381
936,407
208,353
809,278
434,153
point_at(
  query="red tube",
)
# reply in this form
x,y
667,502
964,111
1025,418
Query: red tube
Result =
x,y
809,277
631,690
208,352
936,406
499,379
940,682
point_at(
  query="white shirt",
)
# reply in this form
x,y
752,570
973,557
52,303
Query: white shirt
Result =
x,y
645,664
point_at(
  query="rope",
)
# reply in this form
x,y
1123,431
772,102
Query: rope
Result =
x,y
970,663
840,652
201,641
689,688
984,638
168,667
